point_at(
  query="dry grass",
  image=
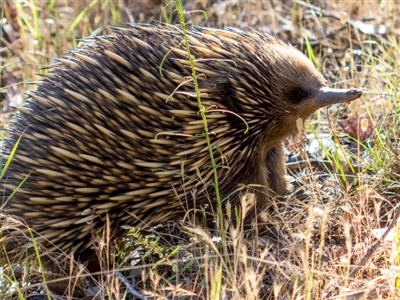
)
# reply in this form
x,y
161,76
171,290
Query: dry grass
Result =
x,y
324,227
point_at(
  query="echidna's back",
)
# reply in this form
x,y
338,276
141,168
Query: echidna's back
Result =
x,y
105,133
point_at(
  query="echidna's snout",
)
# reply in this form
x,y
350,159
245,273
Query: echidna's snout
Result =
x,y
327,96
324,96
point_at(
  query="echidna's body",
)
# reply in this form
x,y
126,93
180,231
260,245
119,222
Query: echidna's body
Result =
x,y
115,129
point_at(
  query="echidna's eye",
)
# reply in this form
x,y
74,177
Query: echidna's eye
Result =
x,y
297,95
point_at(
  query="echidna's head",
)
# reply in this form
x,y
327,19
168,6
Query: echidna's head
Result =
x,y
272,85
298,85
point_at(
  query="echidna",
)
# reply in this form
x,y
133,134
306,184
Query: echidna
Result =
x,y
115,130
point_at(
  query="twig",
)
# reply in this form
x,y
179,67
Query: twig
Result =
x,y
129,286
